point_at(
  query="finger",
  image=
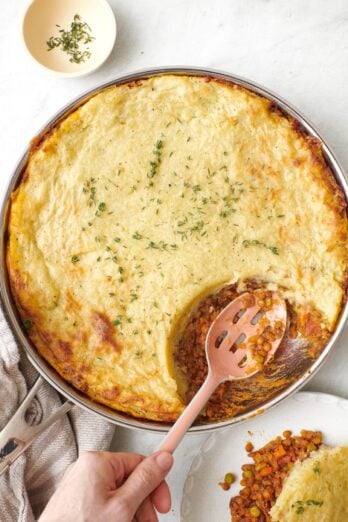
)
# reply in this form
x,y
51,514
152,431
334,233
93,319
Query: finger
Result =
x,y
146,512
109,469
122,464
145,478
161,498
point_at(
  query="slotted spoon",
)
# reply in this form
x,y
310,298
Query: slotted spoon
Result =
x,y
227,354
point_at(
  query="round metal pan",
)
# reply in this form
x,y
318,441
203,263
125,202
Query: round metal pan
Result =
x,y
47,372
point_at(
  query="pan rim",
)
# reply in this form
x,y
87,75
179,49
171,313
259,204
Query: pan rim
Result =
x,y
43,367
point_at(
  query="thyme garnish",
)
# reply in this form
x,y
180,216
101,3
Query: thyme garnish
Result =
x,y
155,163
27,324
225,213
300,505
316,468
161,245
89,188
69,40
101,209
255,242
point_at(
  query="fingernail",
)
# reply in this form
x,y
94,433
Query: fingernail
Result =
x,y
164,460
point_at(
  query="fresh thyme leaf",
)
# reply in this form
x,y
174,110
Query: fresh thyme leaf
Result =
x,y
101,209
117,322
255,242
274,250
75,259
136,235
182,222
316,468
161,245
27,324
300,505
69,41
89,188
197,227
227,212
154,164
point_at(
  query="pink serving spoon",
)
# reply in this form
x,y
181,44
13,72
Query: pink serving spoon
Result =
x,y
235,329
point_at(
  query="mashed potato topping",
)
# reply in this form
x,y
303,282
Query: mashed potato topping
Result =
x,y
316,489
150,196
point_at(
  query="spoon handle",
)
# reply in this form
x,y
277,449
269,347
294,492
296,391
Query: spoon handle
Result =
x,y
178,430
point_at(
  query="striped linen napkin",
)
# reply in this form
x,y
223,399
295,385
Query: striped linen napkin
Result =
x,y
31,480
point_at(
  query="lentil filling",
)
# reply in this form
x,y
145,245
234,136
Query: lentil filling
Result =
x,y
304,339
263,479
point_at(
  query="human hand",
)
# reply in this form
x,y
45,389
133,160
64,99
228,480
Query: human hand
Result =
x,y
117,487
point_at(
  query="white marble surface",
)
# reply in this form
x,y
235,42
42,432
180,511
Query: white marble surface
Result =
x,y
297,49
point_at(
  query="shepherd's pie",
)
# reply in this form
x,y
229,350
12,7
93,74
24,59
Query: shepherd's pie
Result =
x,y
146,199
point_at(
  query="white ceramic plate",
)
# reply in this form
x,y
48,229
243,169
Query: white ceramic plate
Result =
x,y
223,452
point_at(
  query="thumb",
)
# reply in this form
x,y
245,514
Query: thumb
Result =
x,y
145,478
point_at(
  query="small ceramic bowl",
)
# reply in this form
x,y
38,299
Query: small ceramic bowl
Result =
x,y
40,24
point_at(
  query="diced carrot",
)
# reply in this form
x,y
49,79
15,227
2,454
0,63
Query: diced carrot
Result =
x,y
279,452
266,471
